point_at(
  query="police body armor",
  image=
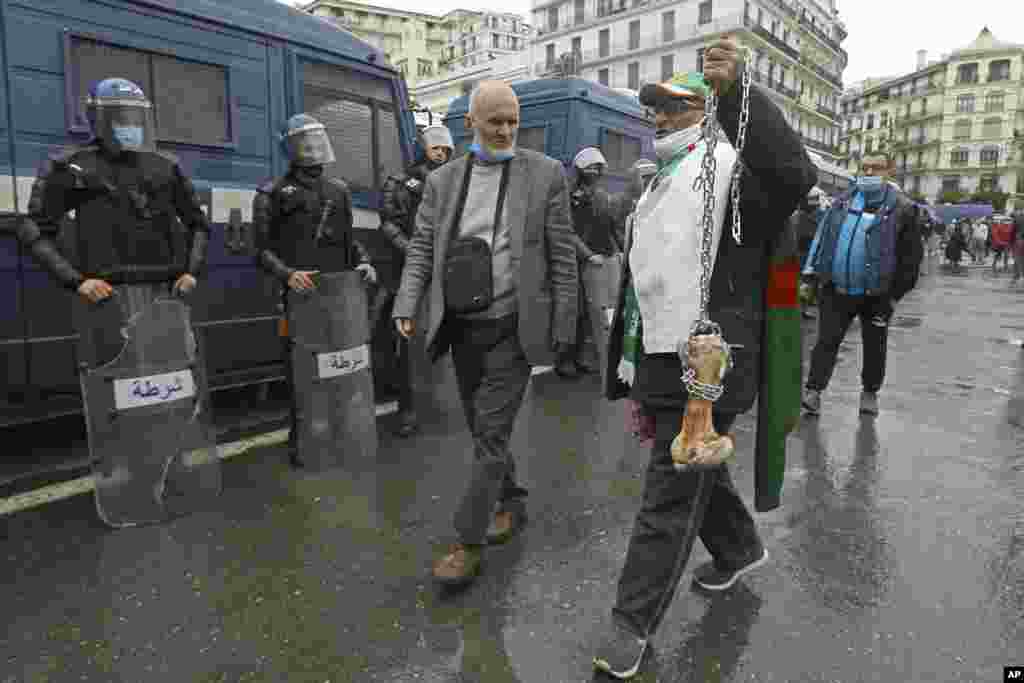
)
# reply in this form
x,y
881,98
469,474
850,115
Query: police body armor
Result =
x,y
309,228
147,407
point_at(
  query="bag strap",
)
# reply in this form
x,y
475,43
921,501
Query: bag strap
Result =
x,y
464,192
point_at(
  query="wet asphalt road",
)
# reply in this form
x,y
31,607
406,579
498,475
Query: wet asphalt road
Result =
x,y
897,555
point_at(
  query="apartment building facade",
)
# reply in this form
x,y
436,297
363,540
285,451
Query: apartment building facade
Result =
x,y
437,93
950,126
425,46
794,44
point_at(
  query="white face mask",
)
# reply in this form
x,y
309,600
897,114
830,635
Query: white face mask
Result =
x,y
672,144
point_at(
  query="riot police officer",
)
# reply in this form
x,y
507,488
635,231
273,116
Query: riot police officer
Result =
x,y
599,221
303,226
125,196
402,195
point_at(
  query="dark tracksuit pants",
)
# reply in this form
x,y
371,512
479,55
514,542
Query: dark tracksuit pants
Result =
x,y
492,373
677,508
836,312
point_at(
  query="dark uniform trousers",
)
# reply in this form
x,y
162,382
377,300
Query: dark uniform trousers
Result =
x,y
492,373
678,507
836,312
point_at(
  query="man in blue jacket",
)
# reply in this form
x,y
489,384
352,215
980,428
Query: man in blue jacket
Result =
x,y
868,255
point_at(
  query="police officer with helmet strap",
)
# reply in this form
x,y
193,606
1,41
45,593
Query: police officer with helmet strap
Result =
x,y
125,195
401,201
303,226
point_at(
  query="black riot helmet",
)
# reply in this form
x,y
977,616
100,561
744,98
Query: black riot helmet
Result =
x,y
121,116
306,142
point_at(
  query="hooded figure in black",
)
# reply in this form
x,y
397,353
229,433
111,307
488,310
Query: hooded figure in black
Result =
x,y
599,220
402,195
294,242
126,197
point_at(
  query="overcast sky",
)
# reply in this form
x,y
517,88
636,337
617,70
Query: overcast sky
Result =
x,y
885,35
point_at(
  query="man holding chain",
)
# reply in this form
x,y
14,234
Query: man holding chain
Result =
x,y
683,277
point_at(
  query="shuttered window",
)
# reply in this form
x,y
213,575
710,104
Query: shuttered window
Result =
x,y
532,138
621,151
358,111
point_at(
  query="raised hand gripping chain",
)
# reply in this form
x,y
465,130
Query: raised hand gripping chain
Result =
x,y
705,354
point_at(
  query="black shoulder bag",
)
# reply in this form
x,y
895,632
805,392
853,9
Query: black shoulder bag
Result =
x,y
468,278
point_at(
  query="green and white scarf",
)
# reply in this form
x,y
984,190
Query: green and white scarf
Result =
x,y
632,342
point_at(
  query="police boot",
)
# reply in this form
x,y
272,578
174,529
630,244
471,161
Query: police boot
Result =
x,y
408,423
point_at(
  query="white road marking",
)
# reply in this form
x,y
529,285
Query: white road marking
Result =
x,y
75,487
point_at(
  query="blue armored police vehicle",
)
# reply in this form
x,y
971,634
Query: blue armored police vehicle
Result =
x,y
223,75
561,116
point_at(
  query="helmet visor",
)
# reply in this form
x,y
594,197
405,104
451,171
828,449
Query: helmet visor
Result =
x,y
310,147
125,127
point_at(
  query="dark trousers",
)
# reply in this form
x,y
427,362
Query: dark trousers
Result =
x,y
835,313
404,375
492,374
293,400
678,507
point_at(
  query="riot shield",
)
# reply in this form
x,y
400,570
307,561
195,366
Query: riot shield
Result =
x,y
601,289
329,327
147,408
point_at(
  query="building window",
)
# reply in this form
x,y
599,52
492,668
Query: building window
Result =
x,y
999,70
700,60
553,19
424,68
992,128
704,13
577,48
578,13
871,121
668,67
633,78
989,183
967,73
869,145
602,77
994,101
604,40
965,104
962,130
958,157
200,116
549,56
760,17
668,27
924,106
883,119
951,183
990,156
495,41
634,35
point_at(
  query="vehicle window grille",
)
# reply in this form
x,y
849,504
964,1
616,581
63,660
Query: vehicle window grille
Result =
x,y
349,126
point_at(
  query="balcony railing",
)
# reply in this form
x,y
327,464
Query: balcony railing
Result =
x,y
827,112
775,41
650,41
833,79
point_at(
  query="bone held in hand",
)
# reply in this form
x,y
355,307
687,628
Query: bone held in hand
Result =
x,y
697,444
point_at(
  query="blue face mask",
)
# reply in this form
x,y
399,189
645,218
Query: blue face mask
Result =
x,y
495,156
128,136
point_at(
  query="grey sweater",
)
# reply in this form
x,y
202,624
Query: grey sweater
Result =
x,y
478,221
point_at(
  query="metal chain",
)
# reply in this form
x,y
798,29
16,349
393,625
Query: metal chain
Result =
x,y
705,183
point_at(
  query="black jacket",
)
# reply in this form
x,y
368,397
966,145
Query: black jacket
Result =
x,y
778,174
125,218
400,202
296,228
598,219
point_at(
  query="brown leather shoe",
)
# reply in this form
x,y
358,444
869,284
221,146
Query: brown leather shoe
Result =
x,y
460,566
504,526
